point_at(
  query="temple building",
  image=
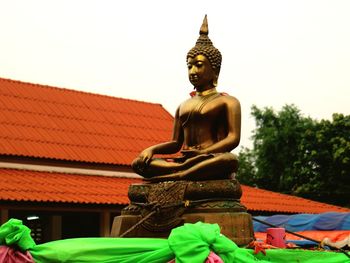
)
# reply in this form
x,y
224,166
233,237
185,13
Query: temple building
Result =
x,y
65,160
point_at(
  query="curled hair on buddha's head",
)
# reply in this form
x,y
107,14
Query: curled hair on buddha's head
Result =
x,y
205,47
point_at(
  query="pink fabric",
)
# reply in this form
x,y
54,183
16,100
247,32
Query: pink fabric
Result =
x,y
10,255
212,258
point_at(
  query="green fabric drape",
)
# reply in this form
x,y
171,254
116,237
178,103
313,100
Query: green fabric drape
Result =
x,y
193,243
106,250
302,256
190,243
14,233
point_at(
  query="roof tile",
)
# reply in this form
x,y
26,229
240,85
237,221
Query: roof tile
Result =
x,y
22,185
48,122
15,185
256,199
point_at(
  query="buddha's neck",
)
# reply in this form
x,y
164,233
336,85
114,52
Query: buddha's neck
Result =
x,y
206,92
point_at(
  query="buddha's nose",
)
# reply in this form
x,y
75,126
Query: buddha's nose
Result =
x,y
193,71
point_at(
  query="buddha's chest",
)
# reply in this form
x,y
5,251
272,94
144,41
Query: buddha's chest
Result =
x,y
200,110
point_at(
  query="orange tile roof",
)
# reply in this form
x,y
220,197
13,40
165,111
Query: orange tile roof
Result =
x,y
263,200
22,185
47,122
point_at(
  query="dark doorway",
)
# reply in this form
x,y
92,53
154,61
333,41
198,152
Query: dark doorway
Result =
x,y
80,225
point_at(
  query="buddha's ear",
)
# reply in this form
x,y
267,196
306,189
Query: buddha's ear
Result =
x,y
215,80
217,71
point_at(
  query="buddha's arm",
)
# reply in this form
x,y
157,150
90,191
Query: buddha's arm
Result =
x,y
169,147
233,119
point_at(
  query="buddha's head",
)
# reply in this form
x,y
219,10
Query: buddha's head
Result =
x,y
205,48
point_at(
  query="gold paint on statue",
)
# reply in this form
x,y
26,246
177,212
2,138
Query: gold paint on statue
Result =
x,y
206,127
206,92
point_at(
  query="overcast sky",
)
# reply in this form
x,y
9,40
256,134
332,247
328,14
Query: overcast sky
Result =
x,y
274,52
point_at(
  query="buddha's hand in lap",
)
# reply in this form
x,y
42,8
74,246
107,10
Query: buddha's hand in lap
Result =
x,y
146,156
191,152
141,163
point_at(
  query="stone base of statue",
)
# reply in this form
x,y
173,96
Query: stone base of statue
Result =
x,y
160,207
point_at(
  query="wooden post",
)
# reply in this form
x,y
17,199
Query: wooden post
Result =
x,y
56,227
4,214
105,224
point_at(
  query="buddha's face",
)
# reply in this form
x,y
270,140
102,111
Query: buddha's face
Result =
x,y
200,73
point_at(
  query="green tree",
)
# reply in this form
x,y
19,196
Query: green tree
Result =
x,y
324,161
247,169
297,155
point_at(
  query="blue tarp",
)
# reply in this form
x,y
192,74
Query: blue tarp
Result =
x,y
303,222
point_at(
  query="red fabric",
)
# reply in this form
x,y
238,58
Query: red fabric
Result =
x,y
261,246
193,93
10,255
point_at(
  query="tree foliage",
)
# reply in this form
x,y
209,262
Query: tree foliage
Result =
x,y
297,155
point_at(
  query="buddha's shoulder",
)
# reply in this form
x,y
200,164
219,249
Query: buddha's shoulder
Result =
x,y
188,101
227,98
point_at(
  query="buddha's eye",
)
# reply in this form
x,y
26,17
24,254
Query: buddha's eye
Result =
x,y
189,66
199,64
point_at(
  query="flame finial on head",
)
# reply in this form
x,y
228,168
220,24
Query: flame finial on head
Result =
x,y
205,47
203,34
204,28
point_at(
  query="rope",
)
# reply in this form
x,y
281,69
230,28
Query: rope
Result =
x,y
138,223
186,203
157,207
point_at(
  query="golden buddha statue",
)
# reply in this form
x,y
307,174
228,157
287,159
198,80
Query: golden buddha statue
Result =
x,y
206,126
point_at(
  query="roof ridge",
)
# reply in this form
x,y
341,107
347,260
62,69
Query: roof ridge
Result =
x,y
76,91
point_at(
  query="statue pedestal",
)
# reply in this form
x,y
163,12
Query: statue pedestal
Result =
x,y
174,203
